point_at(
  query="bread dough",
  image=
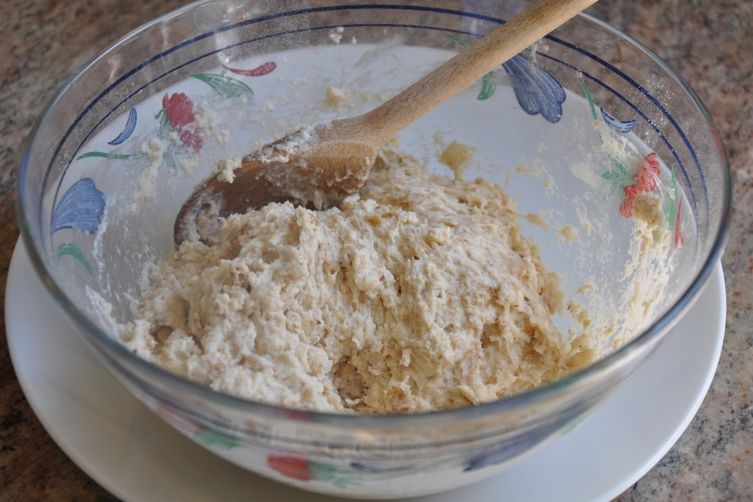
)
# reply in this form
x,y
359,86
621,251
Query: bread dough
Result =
x,y
418,294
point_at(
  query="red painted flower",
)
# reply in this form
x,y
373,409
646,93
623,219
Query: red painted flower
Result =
x,y
259,71
192,140
297,414
678,228
646,180
179,109
290,466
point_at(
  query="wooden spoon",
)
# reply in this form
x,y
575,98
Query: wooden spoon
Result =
x,y
321,166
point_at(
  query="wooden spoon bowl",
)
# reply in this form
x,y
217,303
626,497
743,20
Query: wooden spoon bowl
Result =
x,y
320,166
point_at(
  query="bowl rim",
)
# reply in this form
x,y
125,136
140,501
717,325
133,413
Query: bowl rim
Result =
x,y
650,335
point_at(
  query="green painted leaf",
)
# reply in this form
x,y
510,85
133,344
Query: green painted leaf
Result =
x,y
488,83
322,472
210,437
670,207
619,174
169,160
75,252
344,482
164,125
619,177
573,424
223,85
590,98
488,86
458,40
325,472
106,155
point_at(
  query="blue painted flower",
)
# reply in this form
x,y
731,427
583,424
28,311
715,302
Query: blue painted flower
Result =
x,y
538,92
618,125
373,469
80,208
130,125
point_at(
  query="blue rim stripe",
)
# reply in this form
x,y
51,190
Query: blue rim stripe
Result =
x,y
393,25
202,36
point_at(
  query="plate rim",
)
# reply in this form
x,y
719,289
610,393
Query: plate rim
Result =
x,y
77,457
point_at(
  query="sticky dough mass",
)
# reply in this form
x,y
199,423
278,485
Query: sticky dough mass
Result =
x,y
418,294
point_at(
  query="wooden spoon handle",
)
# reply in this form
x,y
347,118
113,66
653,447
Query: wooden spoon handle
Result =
x,y
469,65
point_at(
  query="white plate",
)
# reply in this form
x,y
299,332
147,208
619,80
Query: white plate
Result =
x,y
136,456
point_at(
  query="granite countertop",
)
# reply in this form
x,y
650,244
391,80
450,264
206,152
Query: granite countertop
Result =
x,y
707,41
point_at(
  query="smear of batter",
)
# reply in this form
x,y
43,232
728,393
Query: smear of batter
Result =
x,y
336,97
456,156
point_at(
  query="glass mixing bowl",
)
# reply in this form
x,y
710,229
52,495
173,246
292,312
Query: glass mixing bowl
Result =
x,y
97,198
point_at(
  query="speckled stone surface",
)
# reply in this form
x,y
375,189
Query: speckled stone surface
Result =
x,y
708,41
